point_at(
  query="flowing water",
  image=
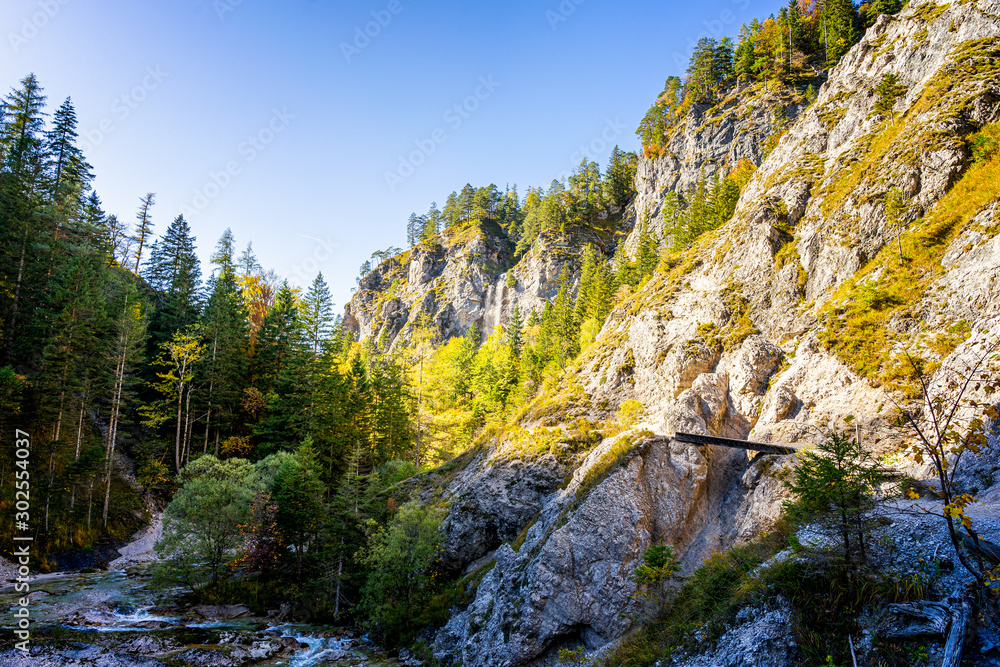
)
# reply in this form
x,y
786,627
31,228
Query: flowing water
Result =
x,y
114,615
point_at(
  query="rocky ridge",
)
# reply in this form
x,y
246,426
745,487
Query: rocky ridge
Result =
x,y
734,339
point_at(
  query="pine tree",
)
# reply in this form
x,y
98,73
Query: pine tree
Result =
x,y
144,228
840,23
620,176
69,173
174,270
700,81
466,202
414,229
430,223
452,212
22,190
793,20
746,54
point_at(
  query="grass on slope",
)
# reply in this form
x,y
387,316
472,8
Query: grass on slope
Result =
x,y
861,319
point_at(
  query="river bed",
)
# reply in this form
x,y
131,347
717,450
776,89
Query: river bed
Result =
x,y
112,619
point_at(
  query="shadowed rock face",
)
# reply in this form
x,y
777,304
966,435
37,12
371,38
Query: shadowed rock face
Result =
x,y
764,373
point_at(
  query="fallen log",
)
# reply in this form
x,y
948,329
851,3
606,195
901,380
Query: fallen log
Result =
x,y
956,636
916,619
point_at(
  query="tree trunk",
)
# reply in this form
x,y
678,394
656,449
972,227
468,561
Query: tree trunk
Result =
x,y
956,637
340,573
12,320
113,431
48,490
90,501
177,436
420,392
187,428
76,456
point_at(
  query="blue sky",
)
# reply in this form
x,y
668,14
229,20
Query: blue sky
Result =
x,y
315,127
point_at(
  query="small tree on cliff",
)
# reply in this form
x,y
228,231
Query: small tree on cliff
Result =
x,y
836,485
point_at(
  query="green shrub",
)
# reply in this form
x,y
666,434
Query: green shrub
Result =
x,y
401,580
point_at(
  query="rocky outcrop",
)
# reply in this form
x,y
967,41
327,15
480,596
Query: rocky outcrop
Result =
x,y
730,342
465,278
710,139
492,500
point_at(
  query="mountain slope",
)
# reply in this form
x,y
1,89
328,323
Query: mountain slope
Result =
x,y
751,332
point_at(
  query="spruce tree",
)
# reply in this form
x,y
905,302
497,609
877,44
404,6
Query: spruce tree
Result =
x,y
69,173
174,270
226,340
144,226
840,23
317,323
22,192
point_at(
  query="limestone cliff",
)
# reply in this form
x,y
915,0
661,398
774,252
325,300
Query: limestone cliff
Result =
x,y
752,332
465,277
742,127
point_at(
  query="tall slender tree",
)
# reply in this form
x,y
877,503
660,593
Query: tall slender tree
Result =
x,y
144,226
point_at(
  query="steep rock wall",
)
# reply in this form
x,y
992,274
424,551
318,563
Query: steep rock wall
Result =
x,y
729,342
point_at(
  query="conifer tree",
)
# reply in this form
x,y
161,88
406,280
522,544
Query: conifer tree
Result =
x,y
69,173
317,323
840,23
144,226
226,341
22,190
431,223
174,270
130,333
515,330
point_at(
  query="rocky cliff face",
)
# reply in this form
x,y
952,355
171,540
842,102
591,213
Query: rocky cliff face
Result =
x,y
465,278
733,341
711,139
748,334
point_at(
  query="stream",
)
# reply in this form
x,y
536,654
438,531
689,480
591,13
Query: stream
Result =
x,y
112,619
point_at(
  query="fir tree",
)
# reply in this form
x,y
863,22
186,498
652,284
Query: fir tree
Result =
x,y
144,227
22,190
174,270
69,173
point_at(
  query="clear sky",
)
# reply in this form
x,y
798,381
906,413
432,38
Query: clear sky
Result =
x,y
286,122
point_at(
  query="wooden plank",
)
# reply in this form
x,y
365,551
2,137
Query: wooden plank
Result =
x,y
766,447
